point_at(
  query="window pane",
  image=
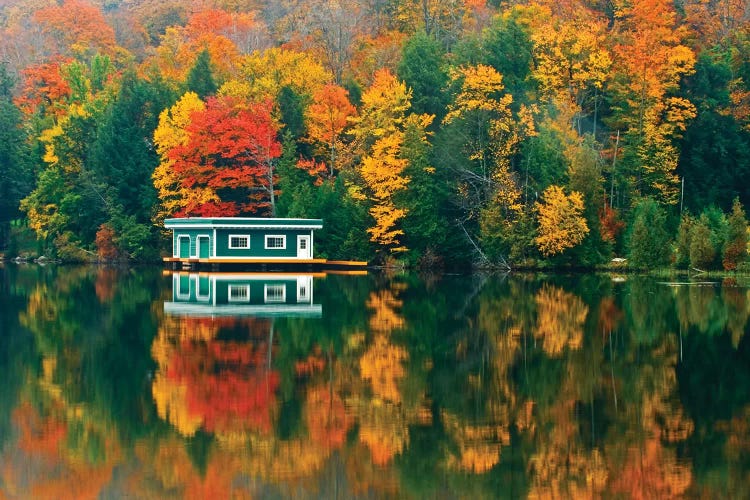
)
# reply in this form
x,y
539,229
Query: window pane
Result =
x,y
275,293
239,242
239,293
275,242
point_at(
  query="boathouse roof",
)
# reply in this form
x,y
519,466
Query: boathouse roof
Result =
x,y
242,222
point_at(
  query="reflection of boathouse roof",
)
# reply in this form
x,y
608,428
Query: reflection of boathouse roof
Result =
x,y
265,311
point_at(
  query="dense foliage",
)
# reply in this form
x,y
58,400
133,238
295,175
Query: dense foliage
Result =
x,y
514,133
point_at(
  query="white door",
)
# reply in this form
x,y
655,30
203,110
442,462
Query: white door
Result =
x,y
303,247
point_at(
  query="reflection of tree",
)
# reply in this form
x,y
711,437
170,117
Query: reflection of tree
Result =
x,y
382,365
403,395
560,319
644,461
711,311
42,467
737,452
478,445
326,417
738,310
225,386
652,471
383,417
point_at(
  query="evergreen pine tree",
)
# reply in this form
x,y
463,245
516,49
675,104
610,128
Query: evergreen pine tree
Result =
x,y
200,78
648,239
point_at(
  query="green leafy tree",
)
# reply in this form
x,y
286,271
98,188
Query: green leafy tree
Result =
x,y
422,69
123,161
648,238
15,178
715,149
735,247
426,226
682,258
702,251
508,34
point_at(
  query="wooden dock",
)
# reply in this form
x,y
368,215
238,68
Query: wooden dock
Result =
x,y
263,264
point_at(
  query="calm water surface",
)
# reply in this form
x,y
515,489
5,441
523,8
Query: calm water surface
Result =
x,y
143,384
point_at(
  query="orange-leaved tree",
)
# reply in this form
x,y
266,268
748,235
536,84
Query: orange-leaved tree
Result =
x,y
327,117
76,28
227,159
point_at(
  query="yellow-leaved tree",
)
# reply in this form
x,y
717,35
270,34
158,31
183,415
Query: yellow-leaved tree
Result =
x,y
172,132
379,133
561,221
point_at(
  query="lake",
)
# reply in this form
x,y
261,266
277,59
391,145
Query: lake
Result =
x,y
143,383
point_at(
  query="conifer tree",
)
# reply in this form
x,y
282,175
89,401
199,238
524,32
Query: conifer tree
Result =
x,y
200,78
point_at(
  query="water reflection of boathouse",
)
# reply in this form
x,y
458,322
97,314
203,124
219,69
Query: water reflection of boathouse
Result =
x,y
242,294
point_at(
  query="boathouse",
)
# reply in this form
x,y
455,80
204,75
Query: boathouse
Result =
x,y
243,239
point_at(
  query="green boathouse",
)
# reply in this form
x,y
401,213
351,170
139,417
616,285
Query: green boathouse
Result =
x,y
243,239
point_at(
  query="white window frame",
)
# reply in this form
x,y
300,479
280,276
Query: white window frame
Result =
x,y
231,247
234,286
275,299
283,241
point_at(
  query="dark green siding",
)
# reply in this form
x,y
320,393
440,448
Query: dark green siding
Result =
x,y
258,243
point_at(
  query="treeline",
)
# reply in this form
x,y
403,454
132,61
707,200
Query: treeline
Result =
x,y
427,132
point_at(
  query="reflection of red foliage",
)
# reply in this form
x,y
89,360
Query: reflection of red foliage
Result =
x,y
313,363
38,435
327,420
254,328
228,384
105,284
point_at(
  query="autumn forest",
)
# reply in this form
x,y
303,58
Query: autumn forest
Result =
x,y
424,132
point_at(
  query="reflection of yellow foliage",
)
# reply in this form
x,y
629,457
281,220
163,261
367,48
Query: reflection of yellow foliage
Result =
x,y
284,460
384,305
381,365
479,445
738,435
384,430
561,472
560,319
171,405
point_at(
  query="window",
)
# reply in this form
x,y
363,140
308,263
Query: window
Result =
x,y
276,242
275,293
239,293
239,241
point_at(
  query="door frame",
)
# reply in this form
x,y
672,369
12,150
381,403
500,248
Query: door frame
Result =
x,y
180,238
308,249
198,246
